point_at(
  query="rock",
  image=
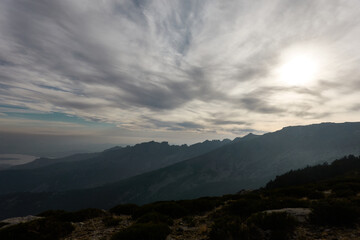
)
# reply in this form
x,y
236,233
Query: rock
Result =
x,y
300,214
17,220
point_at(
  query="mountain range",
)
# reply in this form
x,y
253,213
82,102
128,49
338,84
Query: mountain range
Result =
x,y
226,167
95,169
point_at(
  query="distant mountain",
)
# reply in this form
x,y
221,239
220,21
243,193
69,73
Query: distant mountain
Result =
x,y
246,163
42,162
95,169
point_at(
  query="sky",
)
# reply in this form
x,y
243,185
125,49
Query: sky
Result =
x,y
86,74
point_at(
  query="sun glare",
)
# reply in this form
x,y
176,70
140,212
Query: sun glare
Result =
x,y
298,70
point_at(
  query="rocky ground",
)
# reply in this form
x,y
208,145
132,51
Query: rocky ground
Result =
x,y
95,229
190,228
16,220
198,227
308,232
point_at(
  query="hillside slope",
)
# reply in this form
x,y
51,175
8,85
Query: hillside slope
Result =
x,y
98,169
323,204
247,163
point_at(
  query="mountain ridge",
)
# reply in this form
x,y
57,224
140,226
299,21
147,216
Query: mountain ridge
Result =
x,y
238,165
100,168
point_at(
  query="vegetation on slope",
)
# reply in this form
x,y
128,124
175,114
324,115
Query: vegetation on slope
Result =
x,y
332,197
345,165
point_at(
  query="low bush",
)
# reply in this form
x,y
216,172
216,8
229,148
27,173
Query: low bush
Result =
x,y
189,221
225,228
281,225
171,209
335,213
228,228
155,217
52,213
42,229
124,209
244,208
143,231
308,191
284,202
344,193
200,205
252,195
111,221
77,216
83,215
3,224
345,190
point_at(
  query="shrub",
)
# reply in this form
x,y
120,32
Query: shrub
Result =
x,y
171,209
225,228
110,221
189,221
244,208
83,215
52,213
344,193
199,206
281,225
298,192
334,213
77,216
283,202
343,190
3,224
124,209
42,229
155,217
253,195
143,231
229,228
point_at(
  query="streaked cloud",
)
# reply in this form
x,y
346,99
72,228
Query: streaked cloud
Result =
x,y
199,67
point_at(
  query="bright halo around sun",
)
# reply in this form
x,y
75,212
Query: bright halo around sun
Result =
x,y
298,68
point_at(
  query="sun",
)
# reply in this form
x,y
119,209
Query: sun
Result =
x,y
298,69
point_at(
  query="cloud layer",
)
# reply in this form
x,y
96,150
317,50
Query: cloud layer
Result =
x,y
198,66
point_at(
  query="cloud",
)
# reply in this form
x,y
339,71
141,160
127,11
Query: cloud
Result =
x,y
227,122
355,107
259,105
174,65
190,125
245,131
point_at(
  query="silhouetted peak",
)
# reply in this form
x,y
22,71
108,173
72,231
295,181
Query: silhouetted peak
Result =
x,y
113,149
151,144
317,125
250,135
246,137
